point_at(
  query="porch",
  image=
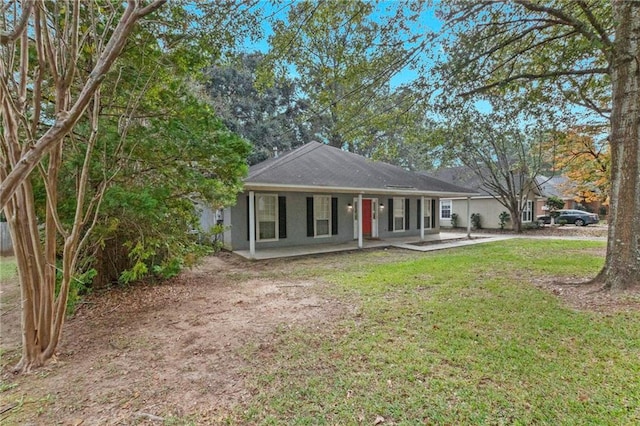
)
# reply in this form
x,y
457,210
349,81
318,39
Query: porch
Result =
x,y
430,242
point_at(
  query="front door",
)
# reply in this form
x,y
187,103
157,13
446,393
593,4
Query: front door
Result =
x,y
366,217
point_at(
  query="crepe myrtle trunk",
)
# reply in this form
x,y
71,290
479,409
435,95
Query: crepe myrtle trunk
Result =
x,y
622,266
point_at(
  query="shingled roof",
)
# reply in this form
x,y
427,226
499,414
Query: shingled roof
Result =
x,y
317,165
465,177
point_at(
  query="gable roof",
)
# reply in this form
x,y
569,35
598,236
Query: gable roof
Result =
x,y
557,186
464,176
315,165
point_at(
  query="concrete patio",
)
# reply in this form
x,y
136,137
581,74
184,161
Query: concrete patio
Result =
x,y
443,240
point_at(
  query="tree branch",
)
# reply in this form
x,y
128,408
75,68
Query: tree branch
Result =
x,y
7,37
533,76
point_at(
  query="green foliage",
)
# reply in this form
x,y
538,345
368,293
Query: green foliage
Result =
x,y
475,221
562,222
343,57
504,218
160,150
454,220
555,203
269,118
79,285
501,49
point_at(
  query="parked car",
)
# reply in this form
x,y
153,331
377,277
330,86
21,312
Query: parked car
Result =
x,y
576,217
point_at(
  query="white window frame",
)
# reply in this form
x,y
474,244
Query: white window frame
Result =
x,y
527,212
258,218
450,204
398,206
318,202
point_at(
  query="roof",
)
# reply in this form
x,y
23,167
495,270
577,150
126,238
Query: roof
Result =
x,y
462,176
315,165
557,186
466,177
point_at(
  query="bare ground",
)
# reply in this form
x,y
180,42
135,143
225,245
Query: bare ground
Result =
x,y
174,350
183,349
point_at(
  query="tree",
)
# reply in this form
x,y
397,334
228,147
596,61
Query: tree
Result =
x,y
55,58
554,203
508,159
42,100
585,161
577,54
343,57
271,118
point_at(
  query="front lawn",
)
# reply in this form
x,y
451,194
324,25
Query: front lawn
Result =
x,y
455,337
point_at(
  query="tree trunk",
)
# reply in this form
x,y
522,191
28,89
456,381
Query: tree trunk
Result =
x,y
622,265
516,220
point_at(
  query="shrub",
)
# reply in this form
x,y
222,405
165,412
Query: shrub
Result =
x,y
532,225
602,211
454,220
555,203
562,222
504,218
475,221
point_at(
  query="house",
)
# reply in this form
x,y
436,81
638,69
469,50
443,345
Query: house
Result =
x,y
567,190
318,194
484,202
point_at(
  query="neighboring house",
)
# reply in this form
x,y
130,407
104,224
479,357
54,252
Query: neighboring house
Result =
x,y
483,203
567,191
313,195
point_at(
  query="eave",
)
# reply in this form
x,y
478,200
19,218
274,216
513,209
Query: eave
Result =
x,y
251,186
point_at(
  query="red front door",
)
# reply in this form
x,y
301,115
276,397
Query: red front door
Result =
x,y
366,218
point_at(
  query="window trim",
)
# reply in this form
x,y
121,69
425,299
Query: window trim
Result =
x,y
316,205
398,202
528,210
276,221
450,203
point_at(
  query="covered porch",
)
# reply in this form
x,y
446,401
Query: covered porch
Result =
x,y
366,223
430,242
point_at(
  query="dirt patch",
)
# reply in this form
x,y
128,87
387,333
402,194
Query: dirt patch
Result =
x,y
170,350
587,296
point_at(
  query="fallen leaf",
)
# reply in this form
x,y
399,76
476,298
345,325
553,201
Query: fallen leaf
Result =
x,y
379,420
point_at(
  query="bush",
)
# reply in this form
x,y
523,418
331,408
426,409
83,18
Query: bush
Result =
x,y
454,220
562,222
504,218
532,225
602,211
475,221
555,203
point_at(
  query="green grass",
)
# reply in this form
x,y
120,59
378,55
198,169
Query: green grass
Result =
x,y
7,268
456,337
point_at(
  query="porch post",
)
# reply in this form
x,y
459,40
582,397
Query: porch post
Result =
x,y
360,244
468,217
422,218
252,225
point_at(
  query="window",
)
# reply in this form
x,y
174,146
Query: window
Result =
x,y
398,214
445,209
427,213
267,216
527,213
322,215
